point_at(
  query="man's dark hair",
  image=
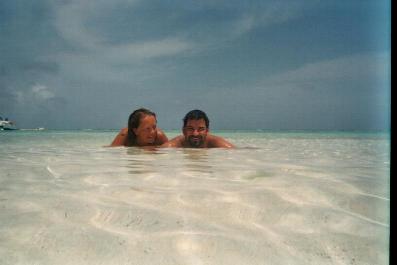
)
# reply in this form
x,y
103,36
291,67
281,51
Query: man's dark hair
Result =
x,y
196,115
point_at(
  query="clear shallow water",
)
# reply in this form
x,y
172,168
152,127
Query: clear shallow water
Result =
x,y
279,198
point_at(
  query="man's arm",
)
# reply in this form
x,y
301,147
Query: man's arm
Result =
x,y
175,142
216,141
120,138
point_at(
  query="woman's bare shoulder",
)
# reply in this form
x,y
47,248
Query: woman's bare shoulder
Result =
x,y
161,137
121,137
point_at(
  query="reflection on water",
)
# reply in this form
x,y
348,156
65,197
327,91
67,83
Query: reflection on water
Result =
x,y
151,160
197,161
142,160
143,150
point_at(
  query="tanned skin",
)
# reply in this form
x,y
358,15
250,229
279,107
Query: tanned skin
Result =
x,y
147,133
121,137
196,135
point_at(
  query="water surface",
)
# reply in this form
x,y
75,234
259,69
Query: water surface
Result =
x,y
278,198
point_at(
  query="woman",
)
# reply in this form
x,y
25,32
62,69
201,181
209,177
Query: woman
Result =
x,y
142,130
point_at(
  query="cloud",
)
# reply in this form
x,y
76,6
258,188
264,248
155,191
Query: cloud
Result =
x,y
150,49
117,41
72,18
351,69
90,59
103,26
7,100
268,14
42,92
347,92
98,49
37,94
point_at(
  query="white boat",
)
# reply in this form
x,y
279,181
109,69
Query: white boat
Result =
x,y
6,125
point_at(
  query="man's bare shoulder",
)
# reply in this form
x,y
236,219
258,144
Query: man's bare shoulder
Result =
x,y
175,142
217,141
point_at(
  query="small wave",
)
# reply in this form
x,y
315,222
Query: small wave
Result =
x,y
54,174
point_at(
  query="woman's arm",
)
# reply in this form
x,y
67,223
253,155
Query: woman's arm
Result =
x,y
161,137
120,138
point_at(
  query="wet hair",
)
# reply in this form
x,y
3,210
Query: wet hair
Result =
x,y
133,122
196,115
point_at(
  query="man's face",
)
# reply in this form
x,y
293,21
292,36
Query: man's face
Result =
x,y
195,132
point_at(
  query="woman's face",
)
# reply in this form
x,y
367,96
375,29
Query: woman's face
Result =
x,y
147,130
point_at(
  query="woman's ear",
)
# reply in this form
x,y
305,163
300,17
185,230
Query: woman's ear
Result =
x,y
134,130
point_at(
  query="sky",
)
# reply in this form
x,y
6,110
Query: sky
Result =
x,y
272,65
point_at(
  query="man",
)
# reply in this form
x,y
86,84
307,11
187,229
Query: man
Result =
x,y
195,133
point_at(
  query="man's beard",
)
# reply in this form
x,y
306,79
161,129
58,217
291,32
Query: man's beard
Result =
x,y
196,141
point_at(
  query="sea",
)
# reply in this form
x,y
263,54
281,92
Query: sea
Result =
x,y
279,197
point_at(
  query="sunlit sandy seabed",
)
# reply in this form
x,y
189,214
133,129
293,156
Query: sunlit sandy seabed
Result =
x,y
278,198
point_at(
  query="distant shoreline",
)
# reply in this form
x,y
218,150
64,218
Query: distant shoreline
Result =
x,y
33,129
